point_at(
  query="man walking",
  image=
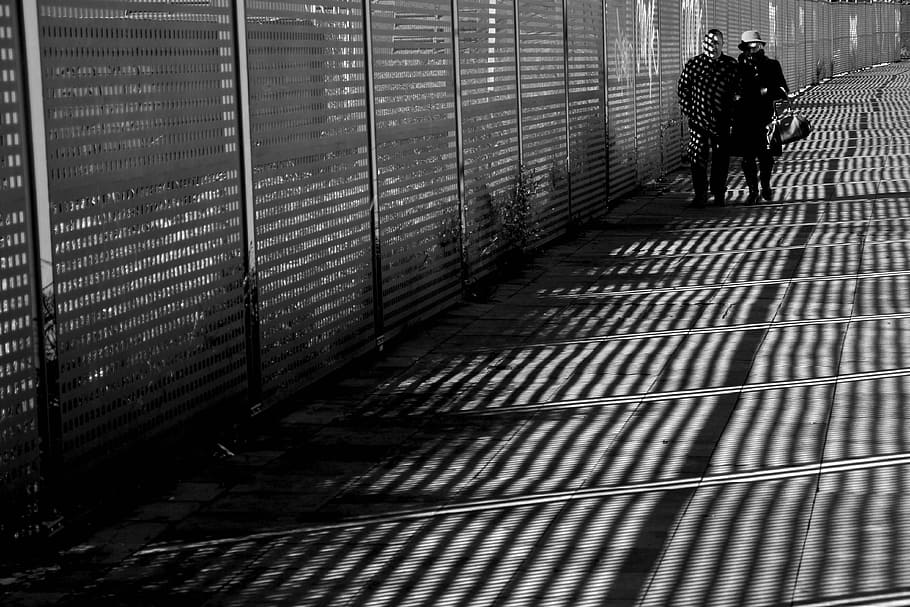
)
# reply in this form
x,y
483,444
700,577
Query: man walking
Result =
x,y
708,87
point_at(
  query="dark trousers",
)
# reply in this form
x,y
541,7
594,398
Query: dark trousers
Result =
x,y
765,162
720,167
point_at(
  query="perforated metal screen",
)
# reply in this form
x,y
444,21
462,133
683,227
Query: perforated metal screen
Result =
x,y
786,47
414,92
670,27
903,18
802,42
19,455
845,26
587,108
543,93
489,100
824,44
144,188
311,180
647,92
622,132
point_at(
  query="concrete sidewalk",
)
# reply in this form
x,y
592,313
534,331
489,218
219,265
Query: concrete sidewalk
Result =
x,y
678,407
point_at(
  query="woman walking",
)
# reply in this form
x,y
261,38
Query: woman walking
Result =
x,y
763,84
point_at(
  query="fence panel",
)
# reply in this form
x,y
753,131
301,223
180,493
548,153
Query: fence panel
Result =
x,y
825,40
740,20
845,23
19,443
143,171
414,91
311,183
787,55
489,99
774,27
622,131
587,127
803,73
904,27
889,16
810,33
890,40
671,62
543,93
647,91
895,19
866,37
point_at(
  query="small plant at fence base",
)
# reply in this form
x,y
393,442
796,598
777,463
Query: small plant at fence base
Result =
x,y
517,228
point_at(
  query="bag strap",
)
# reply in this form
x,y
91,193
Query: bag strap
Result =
x,y
782,107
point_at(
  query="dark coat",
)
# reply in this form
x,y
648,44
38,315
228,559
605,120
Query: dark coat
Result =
x,y
755,110
707,88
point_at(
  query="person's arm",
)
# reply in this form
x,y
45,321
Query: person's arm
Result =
x,y
778,88
739,87
684,88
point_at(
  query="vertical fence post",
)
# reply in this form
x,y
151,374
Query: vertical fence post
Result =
x,y
378,314
45,322
565,67
520,121
459,148
248,224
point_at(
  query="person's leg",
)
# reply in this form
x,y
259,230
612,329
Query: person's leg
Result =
x,y
720,168
699,184
750,172
766,165
698,161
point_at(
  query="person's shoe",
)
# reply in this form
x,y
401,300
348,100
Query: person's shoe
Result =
x,y
719,200
767,194
752,198
699,201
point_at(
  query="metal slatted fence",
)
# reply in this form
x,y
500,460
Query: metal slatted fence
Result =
x,y
144,197
19,446
669,26
311,186
646,75
490,123
544,116
417,158
587,107
622,129
231,198
902,17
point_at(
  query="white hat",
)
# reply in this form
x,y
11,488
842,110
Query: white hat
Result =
x,y
751,36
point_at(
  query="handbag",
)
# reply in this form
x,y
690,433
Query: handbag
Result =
x,y
786,126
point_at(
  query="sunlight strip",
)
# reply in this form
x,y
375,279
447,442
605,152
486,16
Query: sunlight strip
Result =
x,y
887,599
732,285
770,325
728,253
800,224
556,497
607,401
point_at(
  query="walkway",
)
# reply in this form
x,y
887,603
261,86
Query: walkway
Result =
x,y
679,407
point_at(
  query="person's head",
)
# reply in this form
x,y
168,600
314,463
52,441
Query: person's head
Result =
x,y
751,42
713,43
